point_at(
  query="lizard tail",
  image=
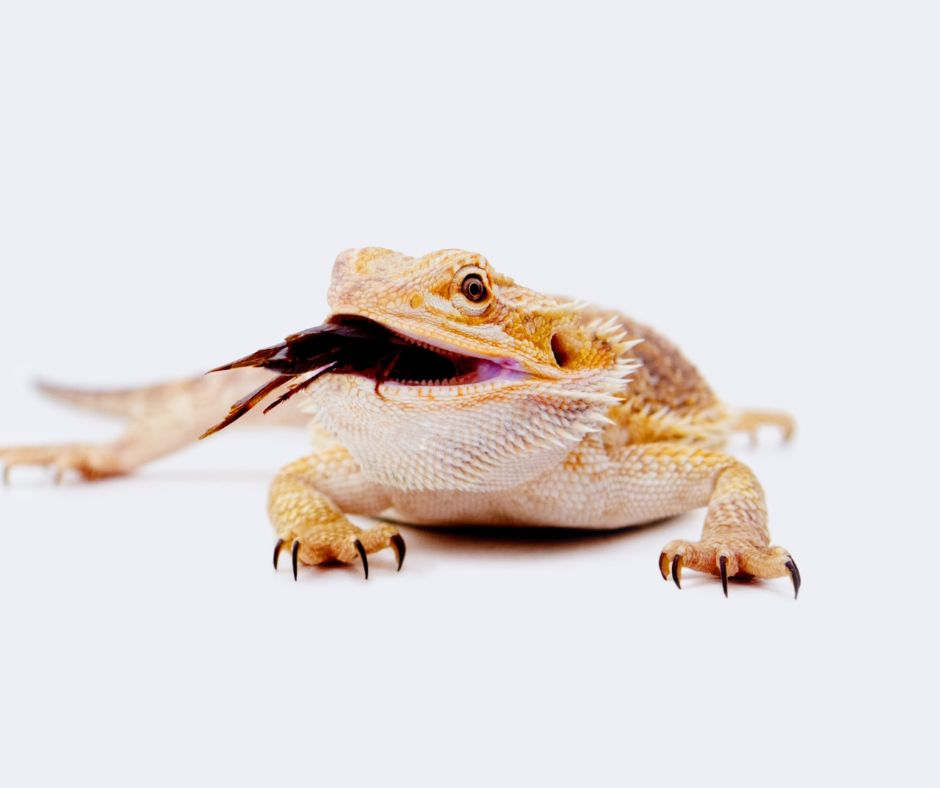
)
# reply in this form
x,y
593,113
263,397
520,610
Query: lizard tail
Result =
x,y
112,402
203,398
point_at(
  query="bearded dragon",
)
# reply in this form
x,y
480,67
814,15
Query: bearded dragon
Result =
x,y
453,395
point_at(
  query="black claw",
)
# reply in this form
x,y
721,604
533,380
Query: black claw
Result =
x,y
277,552
398,545
723,566
293,558
675,570
362,555
662,566
794,575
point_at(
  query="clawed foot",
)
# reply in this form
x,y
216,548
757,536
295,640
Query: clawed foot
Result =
x,y
340,541
751,421
728,560
91,462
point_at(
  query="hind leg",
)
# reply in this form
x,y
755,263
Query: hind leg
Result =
x,y
91,461
160,420
143,440
750,421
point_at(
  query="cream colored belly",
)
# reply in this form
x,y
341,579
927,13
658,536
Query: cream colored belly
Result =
x,y
561,498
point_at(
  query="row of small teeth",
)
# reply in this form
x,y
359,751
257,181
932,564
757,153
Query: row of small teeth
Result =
x,y
444,382
455,381
433,348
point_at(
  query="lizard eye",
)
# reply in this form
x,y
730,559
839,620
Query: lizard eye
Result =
x,y
473,288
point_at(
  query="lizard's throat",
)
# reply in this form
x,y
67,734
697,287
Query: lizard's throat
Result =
x,y
477,425
488,436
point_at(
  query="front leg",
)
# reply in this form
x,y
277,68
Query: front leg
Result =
x,y
601,487
306,505
735,538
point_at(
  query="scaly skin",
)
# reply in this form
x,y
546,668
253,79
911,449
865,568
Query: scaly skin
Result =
x,y
578,417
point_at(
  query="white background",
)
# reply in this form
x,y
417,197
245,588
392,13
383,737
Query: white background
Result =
x,y
760,183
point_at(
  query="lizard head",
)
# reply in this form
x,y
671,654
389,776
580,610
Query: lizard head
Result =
x,y
485,383
454,301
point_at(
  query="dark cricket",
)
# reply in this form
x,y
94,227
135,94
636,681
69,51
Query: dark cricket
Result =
x,y
347,345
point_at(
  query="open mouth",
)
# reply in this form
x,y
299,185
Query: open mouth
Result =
x,y
354,345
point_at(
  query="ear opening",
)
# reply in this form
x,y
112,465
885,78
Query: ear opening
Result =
x,y
561,349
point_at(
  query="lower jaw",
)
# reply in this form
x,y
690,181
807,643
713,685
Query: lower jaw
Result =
x,y
484,374
466,385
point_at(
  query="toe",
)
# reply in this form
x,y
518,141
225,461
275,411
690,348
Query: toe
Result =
x,y
794,575
398,545
362,554
728,560
338,541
